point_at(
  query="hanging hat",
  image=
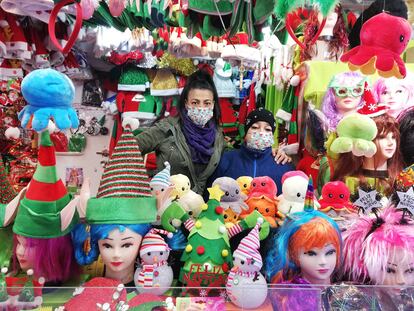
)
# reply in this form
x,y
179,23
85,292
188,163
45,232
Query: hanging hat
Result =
x,y
238,49
17,46
41,54
223,69
47,209
309,198
7,71
248,248
153,242
7,193
162,178
164,84
137,105
124,195
225,86
371,108
133,79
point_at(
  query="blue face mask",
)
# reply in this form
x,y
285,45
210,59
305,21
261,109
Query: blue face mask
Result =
x,y
200,116
260,140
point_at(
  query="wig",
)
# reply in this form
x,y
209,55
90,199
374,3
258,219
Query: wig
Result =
x,y
350,165
53,258
329,102
337,44
370,241
307,230
407,137
81,234
380,86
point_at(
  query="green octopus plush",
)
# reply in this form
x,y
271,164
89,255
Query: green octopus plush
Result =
x,y
355,134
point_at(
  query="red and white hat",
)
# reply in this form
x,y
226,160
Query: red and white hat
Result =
x,y
371,108
17,46
238,49
248,248
7,71
153,242
41,54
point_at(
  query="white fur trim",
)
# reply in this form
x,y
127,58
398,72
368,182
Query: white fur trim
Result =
x,y
139,115
11,72
4,270
284,115
169,92
132,87
132,122
17,46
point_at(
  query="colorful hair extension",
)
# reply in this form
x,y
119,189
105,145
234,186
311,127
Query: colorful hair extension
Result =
x,y
329,102
80,234
309,229
366,254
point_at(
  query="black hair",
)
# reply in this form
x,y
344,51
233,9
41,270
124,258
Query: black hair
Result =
x,y
407,137
201,80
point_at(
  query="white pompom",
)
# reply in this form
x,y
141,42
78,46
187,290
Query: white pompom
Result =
x,y
170,235
176,223
260,220
29,272
168,300
41,280
4,270
116,296
51,127
131,122
295,80
120,287
195,62
222,229
12,132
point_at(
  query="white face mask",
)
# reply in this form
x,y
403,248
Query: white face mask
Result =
x,y
260,140
200,116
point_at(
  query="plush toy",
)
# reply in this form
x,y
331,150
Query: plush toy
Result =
x,y
232,201
192,202
244,183
181,184
355,134
49,94
155,275
294,186
381,52
162,188
245,274
262,197
335,200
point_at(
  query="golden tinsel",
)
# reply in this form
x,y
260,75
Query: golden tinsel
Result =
x,y
181,66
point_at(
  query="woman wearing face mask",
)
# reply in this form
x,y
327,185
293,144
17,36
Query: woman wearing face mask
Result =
x,y
255,157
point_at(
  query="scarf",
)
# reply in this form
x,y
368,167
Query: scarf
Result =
x,y
200,140
146,275
230,280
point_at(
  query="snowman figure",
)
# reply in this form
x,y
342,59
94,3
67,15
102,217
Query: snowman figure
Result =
x,y
246,286
154,275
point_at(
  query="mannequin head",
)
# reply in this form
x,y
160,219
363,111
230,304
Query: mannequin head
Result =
x,y
334,28
407,137
344,96
383,255
308,245
397,94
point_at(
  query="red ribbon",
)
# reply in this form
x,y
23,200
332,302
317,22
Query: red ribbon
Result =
x,y
76,29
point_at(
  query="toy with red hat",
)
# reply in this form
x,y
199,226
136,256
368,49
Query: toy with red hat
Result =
x,y
155,275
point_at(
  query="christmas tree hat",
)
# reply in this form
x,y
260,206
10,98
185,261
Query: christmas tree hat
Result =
x,y
124,195
7,193
47,210
208,242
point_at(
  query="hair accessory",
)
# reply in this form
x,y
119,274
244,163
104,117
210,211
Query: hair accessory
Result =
x,y
367,201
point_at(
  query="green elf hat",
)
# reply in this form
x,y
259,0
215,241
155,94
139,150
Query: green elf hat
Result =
x,y
44,209
133,79
124,195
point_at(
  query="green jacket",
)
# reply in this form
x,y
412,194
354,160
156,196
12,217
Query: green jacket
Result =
x,y
168,141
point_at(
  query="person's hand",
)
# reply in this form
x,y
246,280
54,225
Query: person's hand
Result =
x,y
280,156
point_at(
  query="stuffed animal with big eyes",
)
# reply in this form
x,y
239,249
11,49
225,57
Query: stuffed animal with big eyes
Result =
x,y
232,201
181,184
244,183
335,200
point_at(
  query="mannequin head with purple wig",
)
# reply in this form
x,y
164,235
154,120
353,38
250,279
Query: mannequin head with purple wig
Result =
x,y
344,96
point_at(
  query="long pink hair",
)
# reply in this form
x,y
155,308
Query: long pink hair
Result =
x,y
367,251
54,258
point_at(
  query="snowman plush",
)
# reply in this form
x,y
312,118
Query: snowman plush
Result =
x,y
154,275
246,287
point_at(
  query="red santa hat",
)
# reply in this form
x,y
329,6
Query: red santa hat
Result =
x,y
239,49
41,54
153,242
17,46
248,248
371,108
6,71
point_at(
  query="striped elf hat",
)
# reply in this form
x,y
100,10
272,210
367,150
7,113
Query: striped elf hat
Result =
x,y
124,195
309,198
248,248
162,178
153,242
47,210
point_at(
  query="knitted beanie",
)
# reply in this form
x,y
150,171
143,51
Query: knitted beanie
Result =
x,y
248,248
153,242
260,114
162,178
124,195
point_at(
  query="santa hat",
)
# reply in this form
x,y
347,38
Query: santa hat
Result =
x,y
3,48
17,46
153,242
41,54
309,198
47,209
162,178
136,105
371,108
124,195
7,71
239,49
248,248
7,193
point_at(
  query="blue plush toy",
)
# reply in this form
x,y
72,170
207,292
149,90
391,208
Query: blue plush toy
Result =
x,y
49,94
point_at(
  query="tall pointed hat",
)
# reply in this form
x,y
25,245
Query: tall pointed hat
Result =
x,y
124,195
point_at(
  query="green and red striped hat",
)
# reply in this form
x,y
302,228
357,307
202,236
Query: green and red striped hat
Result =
x,y
124,195
39,214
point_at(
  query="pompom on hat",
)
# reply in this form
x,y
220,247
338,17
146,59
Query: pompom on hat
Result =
x,y
248,248
153,242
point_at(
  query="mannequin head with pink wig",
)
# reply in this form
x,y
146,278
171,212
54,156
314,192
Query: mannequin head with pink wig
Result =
x,y
380,250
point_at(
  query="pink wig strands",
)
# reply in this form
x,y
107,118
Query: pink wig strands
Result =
x,y
54,258
329,103
366,257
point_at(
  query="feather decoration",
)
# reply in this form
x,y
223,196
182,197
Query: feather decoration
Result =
x,y
284,7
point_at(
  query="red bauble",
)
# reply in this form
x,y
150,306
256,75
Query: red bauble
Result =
x,y
200,250
225,267
219,210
